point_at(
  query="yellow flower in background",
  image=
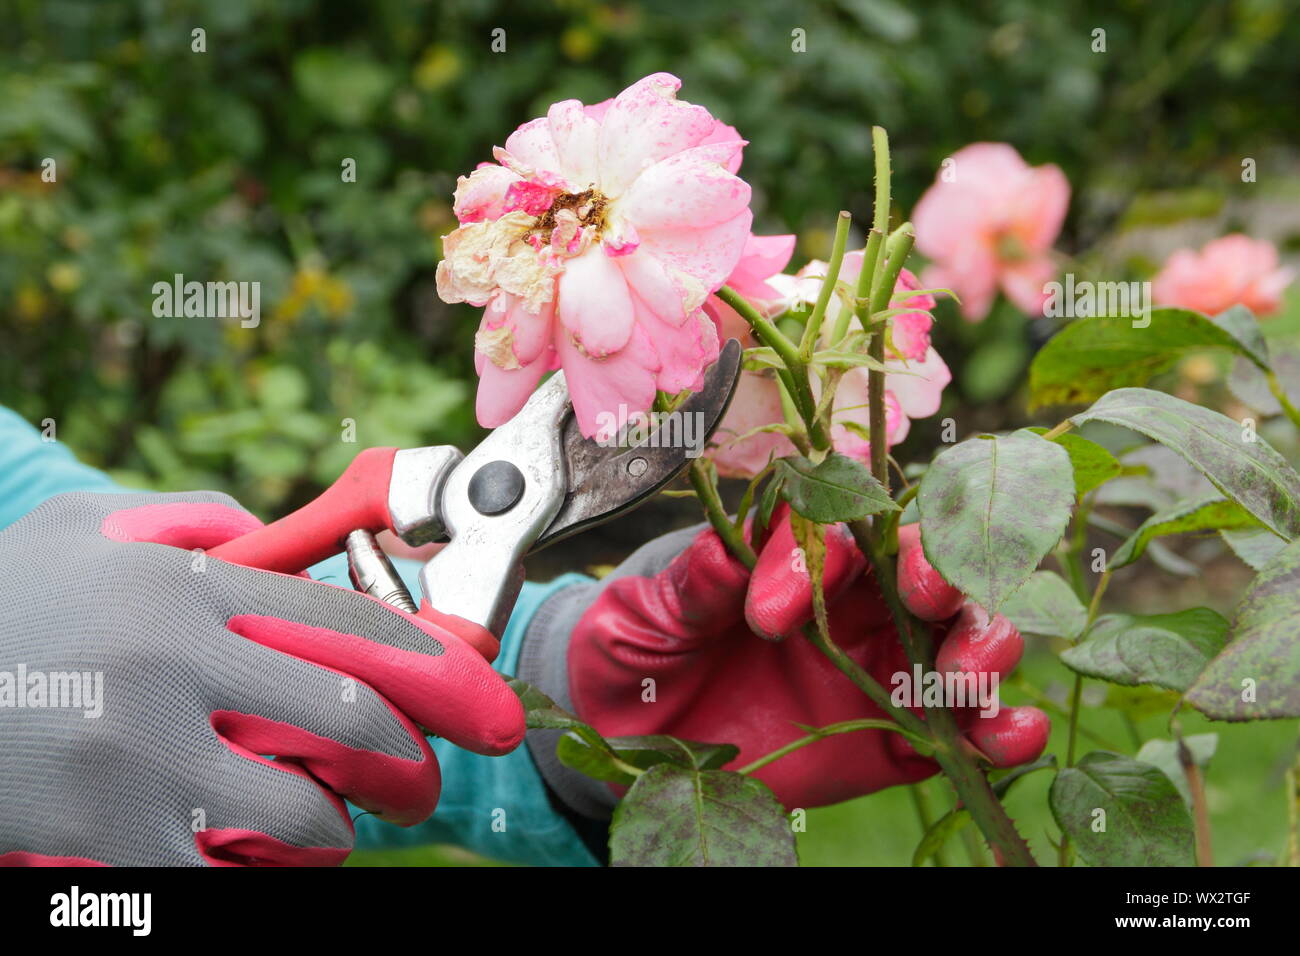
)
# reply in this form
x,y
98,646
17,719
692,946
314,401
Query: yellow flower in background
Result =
x,y
438,67
313,286
64,277
29,303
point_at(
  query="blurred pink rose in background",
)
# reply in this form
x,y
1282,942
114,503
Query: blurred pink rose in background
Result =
x,y
594,243
989,221
1232,270
913,387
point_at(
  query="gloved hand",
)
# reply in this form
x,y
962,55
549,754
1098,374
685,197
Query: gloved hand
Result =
x,y
687,622
208,669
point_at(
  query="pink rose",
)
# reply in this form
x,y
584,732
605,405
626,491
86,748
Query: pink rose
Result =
x,y
593,243
990,220
1232,270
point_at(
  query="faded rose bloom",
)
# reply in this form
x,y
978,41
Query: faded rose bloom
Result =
x,y
1231,270
992,225
913,387
593,243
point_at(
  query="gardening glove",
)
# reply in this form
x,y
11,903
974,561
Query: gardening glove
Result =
x,y
667,645
192,673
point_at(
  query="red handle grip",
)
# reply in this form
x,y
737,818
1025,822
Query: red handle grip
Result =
x,y
358,499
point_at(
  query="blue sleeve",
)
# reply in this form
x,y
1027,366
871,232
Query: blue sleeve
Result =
x,y
33,468
497,806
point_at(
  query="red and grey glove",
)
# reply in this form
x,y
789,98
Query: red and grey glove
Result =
x,y
190,673
667,645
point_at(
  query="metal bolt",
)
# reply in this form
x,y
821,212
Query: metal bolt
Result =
x,y
637,466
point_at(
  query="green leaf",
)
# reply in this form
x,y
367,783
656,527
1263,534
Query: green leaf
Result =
x,y
1257,676
1164,754
1251,473
767,503
1256,546
1093,465
1167,650
991,508
1211,512
1047,606
1250,384
678,817
837,489
1241,324
1090,357
540,712
1145,821
643,752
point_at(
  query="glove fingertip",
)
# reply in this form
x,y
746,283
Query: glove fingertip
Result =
x,y
923,590
1013,736
980,644
780,596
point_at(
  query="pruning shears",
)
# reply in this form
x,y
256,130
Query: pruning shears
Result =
x,y
531,482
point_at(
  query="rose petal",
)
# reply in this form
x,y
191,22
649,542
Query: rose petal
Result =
x,y
531,144
919,386
595,304
606,391
481,194
502,392
644,124
707,255
689,190
576,136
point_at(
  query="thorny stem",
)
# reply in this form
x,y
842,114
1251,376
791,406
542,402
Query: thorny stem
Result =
x,y
796,379
732,536
867,684
821,733
814,326
880,296
954,757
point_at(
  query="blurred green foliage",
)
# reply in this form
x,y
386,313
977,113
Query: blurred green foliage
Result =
x,y
225,165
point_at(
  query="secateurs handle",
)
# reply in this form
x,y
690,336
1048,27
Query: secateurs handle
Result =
x,y
318,530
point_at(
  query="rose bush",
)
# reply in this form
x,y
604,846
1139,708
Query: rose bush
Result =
x,y
622,253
